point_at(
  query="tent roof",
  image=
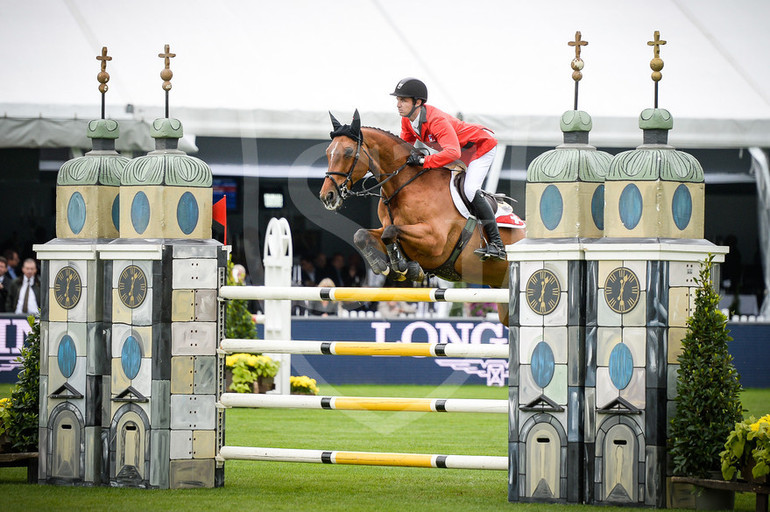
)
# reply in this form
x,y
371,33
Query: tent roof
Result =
x,y
256,69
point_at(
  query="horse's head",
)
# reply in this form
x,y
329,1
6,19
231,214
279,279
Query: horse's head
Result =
x,y
346,166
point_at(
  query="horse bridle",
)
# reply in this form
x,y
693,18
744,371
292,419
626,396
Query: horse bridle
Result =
x,y
344,191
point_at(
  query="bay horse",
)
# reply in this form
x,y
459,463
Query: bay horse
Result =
x,y
420,223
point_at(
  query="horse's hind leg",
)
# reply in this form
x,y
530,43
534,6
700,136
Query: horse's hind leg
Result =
x,y
369,243
403,268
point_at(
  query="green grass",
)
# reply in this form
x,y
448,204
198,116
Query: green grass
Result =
x,y
300,487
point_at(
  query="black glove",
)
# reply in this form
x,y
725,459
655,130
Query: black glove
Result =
x,y
415,159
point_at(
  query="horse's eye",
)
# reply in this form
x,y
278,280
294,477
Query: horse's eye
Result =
x,y
348,152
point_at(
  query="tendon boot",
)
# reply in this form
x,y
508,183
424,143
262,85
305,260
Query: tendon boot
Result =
x,y
485,215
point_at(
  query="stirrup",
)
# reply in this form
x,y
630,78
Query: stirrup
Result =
x,y
490,251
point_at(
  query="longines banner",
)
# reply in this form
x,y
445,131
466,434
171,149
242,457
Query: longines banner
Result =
x,y
400,370
13,331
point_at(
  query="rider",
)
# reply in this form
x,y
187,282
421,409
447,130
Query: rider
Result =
x,y
455,140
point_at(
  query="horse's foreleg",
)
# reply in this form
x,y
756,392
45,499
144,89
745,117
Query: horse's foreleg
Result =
x,y
370,244
403,268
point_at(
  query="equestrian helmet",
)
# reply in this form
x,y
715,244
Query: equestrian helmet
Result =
x,y
411,88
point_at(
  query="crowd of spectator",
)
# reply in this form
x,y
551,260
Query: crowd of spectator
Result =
x,y
19,285
318,270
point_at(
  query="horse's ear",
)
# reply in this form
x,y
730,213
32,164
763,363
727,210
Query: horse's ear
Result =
x,y
335,124
355,126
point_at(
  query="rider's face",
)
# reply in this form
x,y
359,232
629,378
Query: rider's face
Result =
x,y
404,105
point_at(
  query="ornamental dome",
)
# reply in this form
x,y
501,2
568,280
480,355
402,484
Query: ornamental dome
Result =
x,y
575,160
655,159
167,165
101,166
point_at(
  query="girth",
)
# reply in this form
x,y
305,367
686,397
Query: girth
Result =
x,y
447,270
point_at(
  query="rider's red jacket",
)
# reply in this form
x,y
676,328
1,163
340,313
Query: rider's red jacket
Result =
x,y
454,139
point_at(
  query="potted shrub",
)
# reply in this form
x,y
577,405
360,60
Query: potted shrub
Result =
x,y
239,323
5,412
747,450
707,403
250,373
303,385
21,413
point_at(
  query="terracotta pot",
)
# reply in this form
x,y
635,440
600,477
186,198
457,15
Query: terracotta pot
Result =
x,y
264,384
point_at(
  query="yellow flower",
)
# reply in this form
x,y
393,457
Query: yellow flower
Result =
x,y
756,425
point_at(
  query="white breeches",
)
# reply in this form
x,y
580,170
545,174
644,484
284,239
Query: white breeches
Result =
x,y
477,171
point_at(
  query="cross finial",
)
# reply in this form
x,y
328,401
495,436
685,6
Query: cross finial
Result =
x,y
577,63
657,43
166,73
656,63
577,43
103,77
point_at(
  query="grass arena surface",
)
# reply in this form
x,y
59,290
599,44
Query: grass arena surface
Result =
x,y
313,487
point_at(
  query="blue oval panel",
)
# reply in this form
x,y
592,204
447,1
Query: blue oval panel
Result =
x,y
140,212
551,207
542,364
681,206
187,213
621,366
630,206
67,356
131,357
116,212
597,207
76,212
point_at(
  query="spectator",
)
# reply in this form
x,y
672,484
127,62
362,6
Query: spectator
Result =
x,y
323,307
394,308
308,273
354,274
337,269
321,267
24,293
5,283
239,274
12,261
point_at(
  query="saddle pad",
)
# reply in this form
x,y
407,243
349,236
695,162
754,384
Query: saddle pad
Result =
x,y
504,213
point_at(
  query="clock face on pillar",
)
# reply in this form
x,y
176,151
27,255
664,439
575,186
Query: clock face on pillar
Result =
x,y
543,291
132,286
621,290
67,287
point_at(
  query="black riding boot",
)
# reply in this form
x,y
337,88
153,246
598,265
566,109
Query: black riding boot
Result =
x,y
485,215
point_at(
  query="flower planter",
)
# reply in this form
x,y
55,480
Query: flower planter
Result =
x,y
714,499
262,385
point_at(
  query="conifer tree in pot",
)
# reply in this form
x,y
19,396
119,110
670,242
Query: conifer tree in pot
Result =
x,y
22,422
708,402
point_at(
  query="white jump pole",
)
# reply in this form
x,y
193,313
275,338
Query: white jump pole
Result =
x,y
360,403
278,260
417,460
365,348
366,294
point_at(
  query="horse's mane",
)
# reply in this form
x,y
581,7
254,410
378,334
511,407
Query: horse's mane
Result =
x,y
393,136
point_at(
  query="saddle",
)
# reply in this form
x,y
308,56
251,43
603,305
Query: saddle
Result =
x,y
503,211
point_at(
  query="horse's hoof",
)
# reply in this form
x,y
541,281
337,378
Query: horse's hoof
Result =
x,y
414,272
380,268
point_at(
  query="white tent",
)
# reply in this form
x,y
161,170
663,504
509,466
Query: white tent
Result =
x,y
257,68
